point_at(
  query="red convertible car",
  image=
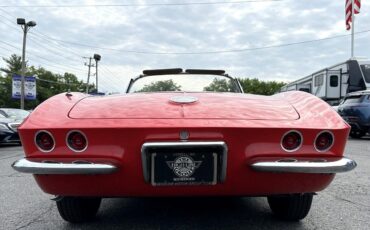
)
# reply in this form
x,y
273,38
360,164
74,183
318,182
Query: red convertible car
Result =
x,y
183,133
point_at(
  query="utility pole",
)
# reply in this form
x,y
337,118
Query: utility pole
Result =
x,y
88,73
23,66
25,27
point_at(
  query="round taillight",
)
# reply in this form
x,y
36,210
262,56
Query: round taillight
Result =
x,y
291,141
324,141
44,141
76,141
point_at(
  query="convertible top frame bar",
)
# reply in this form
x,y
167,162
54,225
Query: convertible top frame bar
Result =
x,y
154,72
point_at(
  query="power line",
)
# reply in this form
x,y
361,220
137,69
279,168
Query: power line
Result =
x,y
139,4
38,37
200,52
61,83
210,52
81,72
191,52
104,69
61,52
108,72
5,48
53,66
57,51
46,59
47,38
40,79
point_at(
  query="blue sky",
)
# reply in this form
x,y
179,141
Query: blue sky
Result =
x,y
184,29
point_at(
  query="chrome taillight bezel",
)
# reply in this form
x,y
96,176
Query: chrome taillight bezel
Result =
x,y
331,145
295,149
68,144
36,144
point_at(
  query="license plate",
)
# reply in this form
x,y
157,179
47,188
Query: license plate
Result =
x,y
186,168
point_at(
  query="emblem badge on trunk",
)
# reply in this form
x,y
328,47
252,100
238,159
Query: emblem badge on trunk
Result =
x,y
184,166
183,99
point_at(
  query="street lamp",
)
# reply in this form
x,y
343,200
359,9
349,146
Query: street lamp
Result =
x,y
25,27
97,58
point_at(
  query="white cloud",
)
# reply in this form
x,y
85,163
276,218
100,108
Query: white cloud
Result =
x,y
194,28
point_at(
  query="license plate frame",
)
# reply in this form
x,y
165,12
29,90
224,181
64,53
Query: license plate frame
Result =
x,y
184,168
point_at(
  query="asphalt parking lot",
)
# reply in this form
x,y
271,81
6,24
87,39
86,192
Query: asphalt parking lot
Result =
x,y
344,205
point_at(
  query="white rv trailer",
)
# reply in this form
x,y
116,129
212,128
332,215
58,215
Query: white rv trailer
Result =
x,y
333,83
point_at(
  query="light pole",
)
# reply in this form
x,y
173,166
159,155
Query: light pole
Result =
x,y
97,58
25,27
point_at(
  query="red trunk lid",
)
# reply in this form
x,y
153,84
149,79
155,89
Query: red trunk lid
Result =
x,y
160,106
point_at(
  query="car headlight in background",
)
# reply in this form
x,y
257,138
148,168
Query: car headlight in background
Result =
x,y
4,127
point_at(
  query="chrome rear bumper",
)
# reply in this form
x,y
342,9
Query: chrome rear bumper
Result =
x,y
342,165
47,168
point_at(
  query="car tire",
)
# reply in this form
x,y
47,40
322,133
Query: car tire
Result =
x,y
78,209
291,207
357,134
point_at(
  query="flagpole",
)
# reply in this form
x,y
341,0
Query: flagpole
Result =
x,y
353,30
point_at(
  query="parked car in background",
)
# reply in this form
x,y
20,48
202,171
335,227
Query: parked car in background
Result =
x,y
15,114
355,110
183,133
10,119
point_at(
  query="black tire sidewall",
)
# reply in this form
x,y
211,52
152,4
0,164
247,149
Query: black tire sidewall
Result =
x,y
78,209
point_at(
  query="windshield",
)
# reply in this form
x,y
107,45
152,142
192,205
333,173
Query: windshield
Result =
x,y
184,82
17,114
366,71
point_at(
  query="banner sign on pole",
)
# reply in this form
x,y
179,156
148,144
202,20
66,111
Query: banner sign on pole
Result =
x,y
16,87
29,87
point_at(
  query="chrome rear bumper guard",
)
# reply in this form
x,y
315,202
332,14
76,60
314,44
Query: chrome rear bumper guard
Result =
x,y
48,168
342,165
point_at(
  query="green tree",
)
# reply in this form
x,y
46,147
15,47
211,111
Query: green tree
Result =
x,y
221,85
14,64
48,83
255,86
166,85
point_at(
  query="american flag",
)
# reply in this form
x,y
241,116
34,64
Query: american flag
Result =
x,y
349,11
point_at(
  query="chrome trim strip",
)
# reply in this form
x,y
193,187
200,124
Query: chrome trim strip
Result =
x,y
35,141
342,165
187,144
183,144
44,168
